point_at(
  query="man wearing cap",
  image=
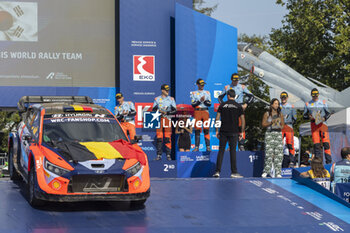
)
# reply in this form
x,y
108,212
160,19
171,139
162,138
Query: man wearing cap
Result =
x,y
125,113
201,101
290,117
317,111
229,112
241,91
166,105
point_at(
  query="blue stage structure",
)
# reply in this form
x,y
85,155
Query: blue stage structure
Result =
x,y
205,48
202,164
147,32
342,190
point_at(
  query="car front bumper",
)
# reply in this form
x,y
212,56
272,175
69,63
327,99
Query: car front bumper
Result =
x,y
92,197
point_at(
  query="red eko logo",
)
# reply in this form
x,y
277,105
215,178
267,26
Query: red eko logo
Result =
x,y
140,109
144,68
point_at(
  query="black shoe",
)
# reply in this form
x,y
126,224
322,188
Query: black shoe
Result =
x,y
159,157
168,157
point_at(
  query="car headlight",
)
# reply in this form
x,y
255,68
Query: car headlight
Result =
x,y
54,168
134,169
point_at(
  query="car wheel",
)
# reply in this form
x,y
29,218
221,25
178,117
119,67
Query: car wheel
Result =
x,y
14,175
32,183
138,203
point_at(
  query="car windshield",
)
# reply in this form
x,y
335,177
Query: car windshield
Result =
x,y
81,129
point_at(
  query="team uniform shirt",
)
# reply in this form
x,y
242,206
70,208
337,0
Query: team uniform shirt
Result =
x,y
289,113
318,109
125,106
323,181
239,89
230,112
197,95
166,104
342,171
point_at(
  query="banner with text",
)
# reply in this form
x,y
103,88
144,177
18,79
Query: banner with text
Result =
x,y
52,47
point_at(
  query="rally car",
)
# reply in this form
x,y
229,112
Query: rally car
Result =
x,y
68,149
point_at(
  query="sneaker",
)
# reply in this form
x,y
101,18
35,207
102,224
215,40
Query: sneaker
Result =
x,y
291,165
208,149
279,176
216,175
168,157
264,175
195,149
159,157
236,175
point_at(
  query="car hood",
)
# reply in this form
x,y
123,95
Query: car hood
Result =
x,y
83,151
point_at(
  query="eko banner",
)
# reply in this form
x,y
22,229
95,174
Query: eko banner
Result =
x,y
145,47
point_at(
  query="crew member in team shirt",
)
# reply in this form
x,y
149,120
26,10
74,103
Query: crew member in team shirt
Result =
x,y
241,91
229,112
125,113
201,101
317,112
166,105
290,117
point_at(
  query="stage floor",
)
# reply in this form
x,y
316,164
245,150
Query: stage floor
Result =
x,y
184,205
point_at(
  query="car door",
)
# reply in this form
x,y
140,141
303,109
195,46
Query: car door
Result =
x,y
27,136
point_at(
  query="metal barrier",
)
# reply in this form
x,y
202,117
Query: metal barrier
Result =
x,y
3,165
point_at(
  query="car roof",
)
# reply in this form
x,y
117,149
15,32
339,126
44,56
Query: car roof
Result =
x,y
54,108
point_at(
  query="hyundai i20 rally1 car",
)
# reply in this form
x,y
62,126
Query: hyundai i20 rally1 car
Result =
x,y
68,149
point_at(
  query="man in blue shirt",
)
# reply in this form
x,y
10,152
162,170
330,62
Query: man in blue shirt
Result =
x,y
341,170
317,111
201,101
166,105
290,117
241,91
125,113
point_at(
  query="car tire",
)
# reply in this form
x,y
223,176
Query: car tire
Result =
x,y
14,175
138,203
32,183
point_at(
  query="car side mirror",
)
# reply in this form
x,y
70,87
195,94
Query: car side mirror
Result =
x,y
27,137
136,139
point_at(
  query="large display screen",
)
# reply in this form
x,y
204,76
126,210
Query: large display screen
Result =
x,y
57,43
